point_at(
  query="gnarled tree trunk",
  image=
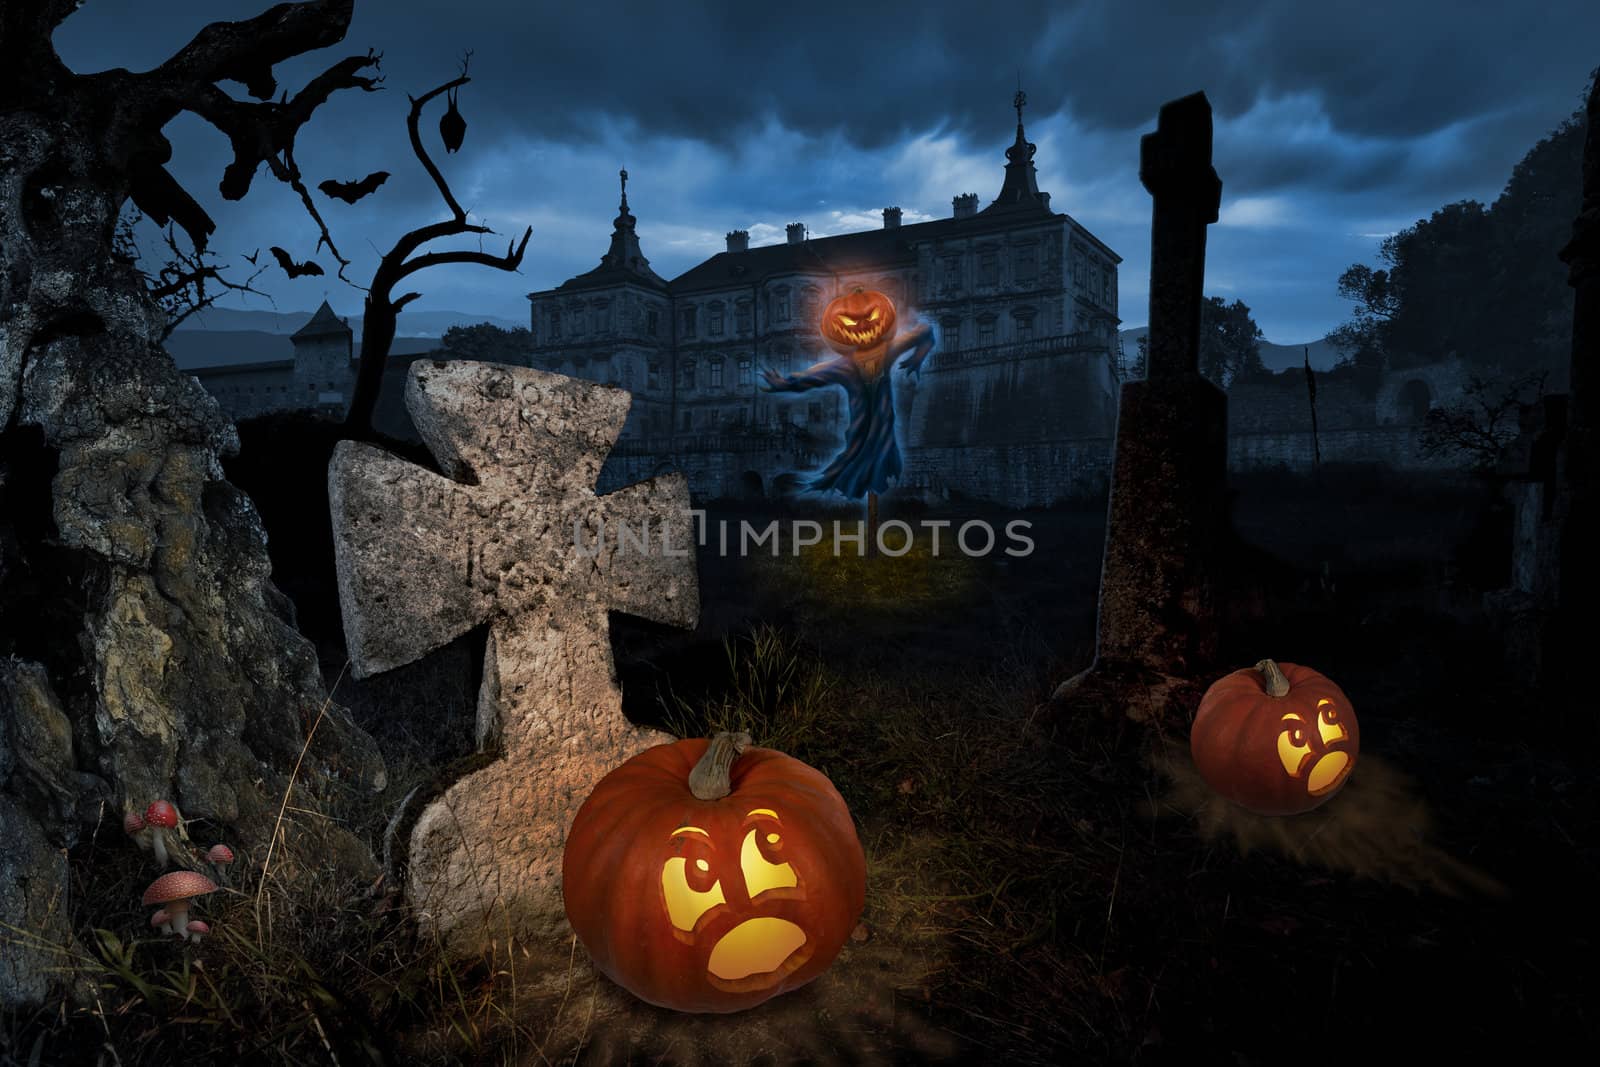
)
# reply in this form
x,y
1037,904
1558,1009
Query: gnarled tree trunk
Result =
x,y
144,652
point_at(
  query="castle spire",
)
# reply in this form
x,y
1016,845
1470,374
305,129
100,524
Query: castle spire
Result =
x,y
624,260
1021,187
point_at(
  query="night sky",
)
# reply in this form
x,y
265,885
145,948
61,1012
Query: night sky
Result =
x,y
1335,125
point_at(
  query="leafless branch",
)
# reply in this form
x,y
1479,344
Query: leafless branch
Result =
x,y
246,51
510,261
417,104
1482,427
190,281
406,259
263,133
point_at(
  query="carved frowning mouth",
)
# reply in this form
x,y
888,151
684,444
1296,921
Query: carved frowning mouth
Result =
x,y
757,954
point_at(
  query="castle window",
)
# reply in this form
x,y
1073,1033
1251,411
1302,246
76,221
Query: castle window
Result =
x,y
781,304
744,371
652,322
950,334
1105,286
555,325
688,322
688,420
1022,320
985,331
714,319
602,317
654,371
951,280
989,269
686,375
716,374
808,302
1027,263
742,316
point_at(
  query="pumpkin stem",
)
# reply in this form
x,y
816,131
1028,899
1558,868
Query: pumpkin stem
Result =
x,y
1277,683
709,779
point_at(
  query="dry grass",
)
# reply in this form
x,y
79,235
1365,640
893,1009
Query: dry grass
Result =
x,y
1041,888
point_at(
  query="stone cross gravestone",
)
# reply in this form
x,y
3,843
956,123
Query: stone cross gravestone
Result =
x,y
1169,475
423,558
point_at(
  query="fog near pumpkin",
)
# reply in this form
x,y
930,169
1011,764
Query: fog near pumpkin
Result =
x,y
1376,826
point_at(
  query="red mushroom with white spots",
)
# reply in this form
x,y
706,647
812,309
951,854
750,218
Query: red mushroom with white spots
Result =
x,y
175,889
161,819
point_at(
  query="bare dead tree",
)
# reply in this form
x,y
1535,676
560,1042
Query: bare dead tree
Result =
x,y
380,317
1482,426
79,146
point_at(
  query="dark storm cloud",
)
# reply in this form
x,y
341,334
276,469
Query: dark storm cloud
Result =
x,y
1335,122
876,72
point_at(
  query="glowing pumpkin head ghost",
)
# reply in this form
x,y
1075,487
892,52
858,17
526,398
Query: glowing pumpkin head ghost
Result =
x,y
711,876
859,319
1277,739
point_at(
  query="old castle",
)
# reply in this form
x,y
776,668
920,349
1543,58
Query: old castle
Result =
x,y
1017,404
1022,298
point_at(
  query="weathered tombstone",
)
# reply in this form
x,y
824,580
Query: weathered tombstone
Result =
x,y
1167,507
1577,501
424,558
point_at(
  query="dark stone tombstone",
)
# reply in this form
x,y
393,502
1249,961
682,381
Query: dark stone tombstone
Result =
x,y
1578,509
1167,507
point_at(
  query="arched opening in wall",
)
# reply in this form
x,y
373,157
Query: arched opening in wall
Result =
x,y
1415,400
750,486
666,466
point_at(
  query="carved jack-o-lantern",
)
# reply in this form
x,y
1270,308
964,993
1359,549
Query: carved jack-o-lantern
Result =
x,y
858,319
710,876
1277,739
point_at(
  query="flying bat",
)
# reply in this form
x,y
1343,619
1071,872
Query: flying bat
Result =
x,y
290,267
252,256
350,192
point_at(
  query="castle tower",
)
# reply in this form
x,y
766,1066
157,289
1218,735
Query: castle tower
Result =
x,y
322,350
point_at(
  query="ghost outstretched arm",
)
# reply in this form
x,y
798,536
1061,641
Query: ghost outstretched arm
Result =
x,y
919,342
835,371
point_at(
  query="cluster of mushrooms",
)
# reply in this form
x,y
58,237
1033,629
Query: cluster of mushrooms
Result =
x,y
157,831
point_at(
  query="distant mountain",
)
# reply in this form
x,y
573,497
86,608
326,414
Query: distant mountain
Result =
x,y
1275,357
218,348
412,323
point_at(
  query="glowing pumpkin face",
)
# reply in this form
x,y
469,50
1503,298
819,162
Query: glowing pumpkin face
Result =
x,y
1276,739
713,905
858,319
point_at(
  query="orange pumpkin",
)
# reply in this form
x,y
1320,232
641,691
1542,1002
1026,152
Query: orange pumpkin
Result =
x,y
860,318
711,876
1277,739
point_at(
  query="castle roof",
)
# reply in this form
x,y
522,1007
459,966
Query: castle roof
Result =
x,y
869,249
1019,203
624,261
324,323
